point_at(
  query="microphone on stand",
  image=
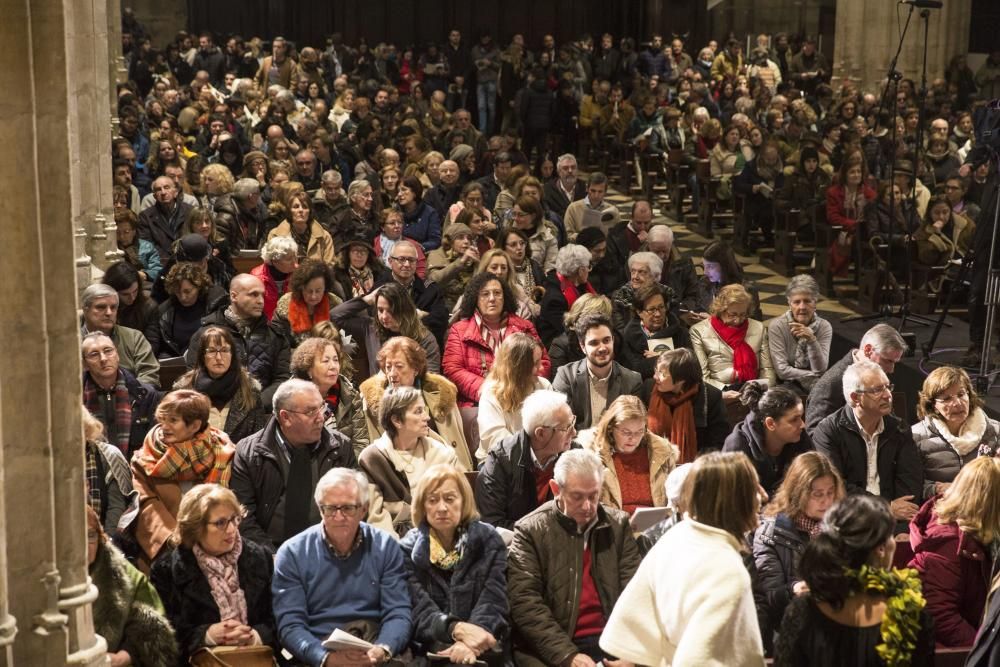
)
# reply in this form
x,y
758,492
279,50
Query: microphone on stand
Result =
x,y
923,4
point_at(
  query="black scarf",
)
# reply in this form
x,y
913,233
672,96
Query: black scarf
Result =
x,y
220,390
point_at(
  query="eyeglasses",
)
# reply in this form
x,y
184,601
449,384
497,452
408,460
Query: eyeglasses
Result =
x,y
223,524
876,391
630,434
330,511
655,309
311,413
95,355
404,260
218,351
564,429
961,397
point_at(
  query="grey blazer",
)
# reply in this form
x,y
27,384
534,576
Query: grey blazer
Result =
x,y
574,381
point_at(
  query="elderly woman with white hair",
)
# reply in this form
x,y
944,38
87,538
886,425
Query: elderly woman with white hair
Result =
x,y
799,340
644,268
563,288
359,218
281,257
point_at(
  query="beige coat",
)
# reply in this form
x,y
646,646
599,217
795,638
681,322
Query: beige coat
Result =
x,y
320,242
441,398
663,456
574,217
716,358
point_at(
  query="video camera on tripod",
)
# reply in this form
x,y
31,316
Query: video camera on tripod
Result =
x,y
986,125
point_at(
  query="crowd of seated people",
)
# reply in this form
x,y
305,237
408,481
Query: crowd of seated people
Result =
x,y
389,323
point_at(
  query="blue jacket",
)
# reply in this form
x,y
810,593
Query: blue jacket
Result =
x,y
149,257
315,592
423,225
475,593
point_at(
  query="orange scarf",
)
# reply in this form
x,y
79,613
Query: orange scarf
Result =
x,y
299,317
672,417
205,458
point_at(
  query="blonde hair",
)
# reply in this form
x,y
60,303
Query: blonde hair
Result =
x,y
793,494
431,480
513,379
510,278
622,409
195,507
728,296
971,502
93,429
586,304
222,175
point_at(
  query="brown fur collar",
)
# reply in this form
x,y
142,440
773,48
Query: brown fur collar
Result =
x,y
439,392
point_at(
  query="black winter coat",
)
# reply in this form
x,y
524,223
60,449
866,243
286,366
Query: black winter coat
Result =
x,y
635,344
161,337
188,600
777,545
748,438
505,487
827,395
474,592
258,479
144,399
161,229
537,107
263,352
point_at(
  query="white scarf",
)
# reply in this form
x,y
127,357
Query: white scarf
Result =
x,y
970,436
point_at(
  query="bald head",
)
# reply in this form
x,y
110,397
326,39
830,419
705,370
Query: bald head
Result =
x,y
448,172
246,293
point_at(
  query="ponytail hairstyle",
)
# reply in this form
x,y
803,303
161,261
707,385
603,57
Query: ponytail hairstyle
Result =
x,y
763,403
850,532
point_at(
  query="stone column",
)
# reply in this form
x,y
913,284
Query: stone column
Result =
x,y
867,36
39,413
8,624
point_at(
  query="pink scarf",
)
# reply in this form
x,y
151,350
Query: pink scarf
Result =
x,y
224,581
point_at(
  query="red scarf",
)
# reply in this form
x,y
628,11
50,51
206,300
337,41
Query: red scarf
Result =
x,y
570,291
673,418
299,317
744,358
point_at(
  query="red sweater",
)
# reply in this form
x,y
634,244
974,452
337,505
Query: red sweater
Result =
x,y
633,478
591,619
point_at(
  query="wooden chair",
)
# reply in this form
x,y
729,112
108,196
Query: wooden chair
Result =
x,y
786,225
701,220
677,181
825,234
243,263
170,370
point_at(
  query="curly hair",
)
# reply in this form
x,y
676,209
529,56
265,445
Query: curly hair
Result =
x,y
470,298
223,176
730,295
192,273
411,350
307,271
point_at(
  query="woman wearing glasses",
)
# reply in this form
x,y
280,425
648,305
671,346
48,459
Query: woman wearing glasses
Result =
x,y
234,394
953,429
654,321
396,462
636,462
215,586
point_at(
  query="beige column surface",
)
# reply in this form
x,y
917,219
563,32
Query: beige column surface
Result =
x,y
867,35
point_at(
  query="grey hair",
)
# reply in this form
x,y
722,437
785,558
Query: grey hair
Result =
x,y
243,188
571,258
580,462
95,292
701,112
854,373
287,389
651,260
394,404
539,406
279,247
675,484
883,338
331,176
802,283
335,477
565,157
660,232
357,187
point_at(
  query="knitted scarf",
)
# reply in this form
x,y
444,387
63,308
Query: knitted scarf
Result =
x,y
224,580
801,359
92,471
301,240
492,337
299,317
570,291
807,525
744,358
672,416
123,408
362,280
219,390
244,326
205,458
970,436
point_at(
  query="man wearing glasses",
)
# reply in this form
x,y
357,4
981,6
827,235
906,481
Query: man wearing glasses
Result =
x,y
275,470
872,448
341,575
515,478
426,296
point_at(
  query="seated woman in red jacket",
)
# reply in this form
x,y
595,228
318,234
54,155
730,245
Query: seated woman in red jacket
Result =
x,y
846,200
485,320
951,538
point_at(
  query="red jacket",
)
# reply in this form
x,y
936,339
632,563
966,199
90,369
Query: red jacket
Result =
x,y
955,571
467,358
835,206
271,294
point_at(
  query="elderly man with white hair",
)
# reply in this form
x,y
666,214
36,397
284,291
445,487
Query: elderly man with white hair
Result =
x,y
569,562
448,189
342,574
563,287
566,188
872,448
100,314
514,479
249,231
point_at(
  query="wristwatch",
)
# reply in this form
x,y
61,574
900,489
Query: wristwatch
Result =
x,y
387,650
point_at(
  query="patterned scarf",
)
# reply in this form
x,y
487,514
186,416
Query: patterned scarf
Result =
x,y
123,408
445,560
801,345
526,277
672,417
333,396
362,280
807,525
299,317
744,358
224,580
244,326
93,478
301,240
492,337
205,458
